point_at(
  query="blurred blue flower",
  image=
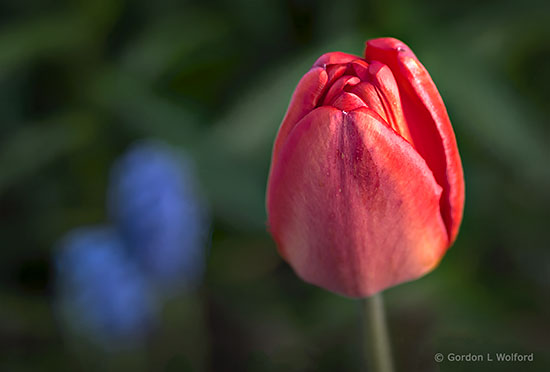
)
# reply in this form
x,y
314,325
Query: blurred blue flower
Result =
x,y
153,200
101,293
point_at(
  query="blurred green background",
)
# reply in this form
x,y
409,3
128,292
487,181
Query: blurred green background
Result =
x,y
81,80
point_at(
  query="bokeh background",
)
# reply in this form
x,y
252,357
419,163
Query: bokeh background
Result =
x,y
80,81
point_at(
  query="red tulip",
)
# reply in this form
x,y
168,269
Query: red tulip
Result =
x,y
366,188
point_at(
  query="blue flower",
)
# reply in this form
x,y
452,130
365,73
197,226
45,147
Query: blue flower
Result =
x,y
153,200
102,294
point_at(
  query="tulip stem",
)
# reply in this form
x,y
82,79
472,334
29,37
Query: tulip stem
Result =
x,y
376,342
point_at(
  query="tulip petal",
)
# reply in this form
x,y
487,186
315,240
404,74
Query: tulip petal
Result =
x,y
382,78
428,122
334,58
347,102
338,87
334,72
305,98
368,93
352,206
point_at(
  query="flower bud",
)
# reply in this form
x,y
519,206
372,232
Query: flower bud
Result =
x,y
366,188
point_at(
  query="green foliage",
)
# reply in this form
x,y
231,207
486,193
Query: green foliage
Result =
x,y
79,81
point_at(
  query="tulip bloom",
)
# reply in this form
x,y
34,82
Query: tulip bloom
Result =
x,y
366,188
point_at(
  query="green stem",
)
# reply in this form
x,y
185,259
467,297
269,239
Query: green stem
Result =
x,y
377,343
